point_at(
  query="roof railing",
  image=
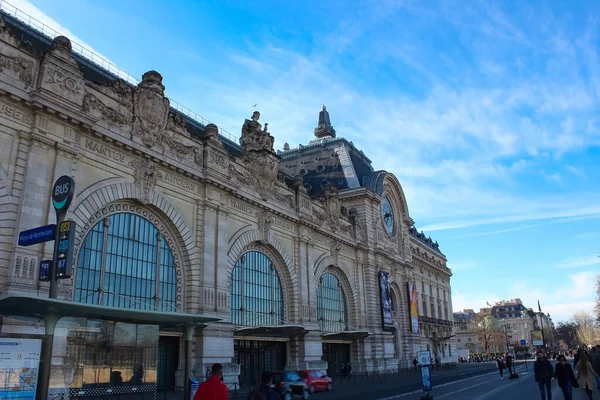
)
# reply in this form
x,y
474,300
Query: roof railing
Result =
x,y
100,61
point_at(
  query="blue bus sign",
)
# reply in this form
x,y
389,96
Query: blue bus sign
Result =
x,y
37,235
64,249
523,342
45,270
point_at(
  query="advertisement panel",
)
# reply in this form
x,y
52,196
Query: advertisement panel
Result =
x,y
19,366
386,301
413,304
536,338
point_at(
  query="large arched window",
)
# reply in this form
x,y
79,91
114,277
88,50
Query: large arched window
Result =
x,y
331,304
125,263
256,295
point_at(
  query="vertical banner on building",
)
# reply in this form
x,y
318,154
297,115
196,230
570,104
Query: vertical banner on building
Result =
x,y
413,307
386,301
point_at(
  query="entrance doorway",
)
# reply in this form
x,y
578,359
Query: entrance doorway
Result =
x,y
256,356
337,355
168,358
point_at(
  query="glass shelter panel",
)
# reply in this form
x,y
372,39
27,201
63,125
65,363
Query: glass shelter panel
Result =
x,y
124,262
331,305
96,358
256,295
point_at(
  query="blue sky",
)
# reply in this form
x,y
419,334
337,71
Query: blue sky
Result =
x,y
487,112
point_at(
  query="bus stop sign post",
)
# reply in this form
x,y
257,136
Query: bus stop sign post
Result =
x,y
424,360
62,194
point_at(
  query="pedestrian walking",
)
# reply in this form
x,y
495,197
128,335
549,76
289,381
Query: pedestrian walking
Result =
x,y
566,377
213,388
265,391
586,376
544,375
501,366
509,364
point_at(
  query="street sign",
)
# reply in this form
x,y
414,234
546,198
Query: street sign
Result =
x,y
37,235
523,342
45,266
64,249
62,194
424,357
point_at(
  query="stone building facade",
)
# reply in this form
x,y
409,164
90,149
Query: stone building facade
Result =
x,y
285,247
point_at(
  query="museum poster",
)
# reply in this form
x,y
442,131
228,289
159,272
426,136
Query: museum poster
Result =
x,y
413,305
386,300
19,366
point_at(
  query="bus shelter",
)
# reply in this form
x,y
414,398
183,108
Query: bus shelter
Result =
x,y
88,351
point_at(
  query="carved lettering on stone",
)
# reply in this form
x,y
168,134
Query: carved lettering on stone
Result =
x,y
265,220
145,176
20,66
63,80
15,113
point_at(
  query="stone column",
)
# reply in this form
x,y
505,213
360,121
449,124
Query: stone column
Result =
x,y
214,344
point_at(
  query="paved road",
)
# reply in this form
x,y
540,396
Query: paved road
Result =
x,y
389,386
467,382
489,386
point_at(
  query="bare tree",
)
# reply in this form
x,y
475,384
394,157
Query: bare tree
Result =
x,y
487,329
586,328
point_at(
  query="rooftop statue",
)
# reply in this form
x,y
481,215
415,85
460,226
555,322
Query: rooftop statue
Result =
x,y
254,137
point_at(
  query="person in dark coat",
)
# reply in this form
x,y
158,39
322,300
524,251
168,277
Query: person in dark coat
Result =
x,y
544,375
509,364
501,366
566,377
266,378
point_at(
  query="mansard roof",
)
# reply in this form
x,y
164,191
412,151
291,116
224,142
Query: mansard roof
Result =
x,y
329,161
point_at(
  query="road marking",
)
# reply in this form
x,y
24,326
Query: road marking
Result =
x,y
461,390
399,396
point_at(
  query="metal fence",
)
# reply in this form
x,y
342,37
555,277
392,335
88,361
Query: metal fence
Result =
x,y
100,61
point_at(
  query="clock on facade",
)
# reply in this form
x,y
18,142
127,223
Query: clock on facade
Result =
x,y
387,214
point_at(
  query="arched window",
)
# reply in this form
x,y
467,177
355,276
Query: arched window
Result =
x,y
331,304
256,295
124,262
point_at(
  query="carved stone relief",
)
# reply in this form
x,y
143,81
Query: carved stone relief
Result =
x,y
335,249
20,66
332,211
92,103
265,220
61,74
145,177
151,109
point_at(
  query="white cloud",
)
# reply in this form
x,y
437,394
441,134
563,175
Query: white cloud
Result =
x,y
578,262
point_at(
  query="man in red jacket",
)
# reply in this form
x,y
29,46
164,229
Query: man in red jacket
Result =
x,y
213,388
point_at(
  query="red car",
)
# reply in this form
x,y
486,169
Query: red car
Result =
x,y
316,380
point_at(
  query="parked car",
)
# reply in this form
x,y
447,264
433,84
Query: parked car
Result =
x,y
289,385
316,381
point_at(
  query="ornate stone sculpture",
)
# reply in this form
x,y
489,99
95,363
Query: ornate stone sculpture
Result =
x,y
151,109
91,103
259,165
332,207
265,220
335,249
254,138
145,177
20,66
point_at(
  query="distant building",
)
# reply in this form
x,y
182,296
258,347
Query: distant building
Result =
x,y
465,328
